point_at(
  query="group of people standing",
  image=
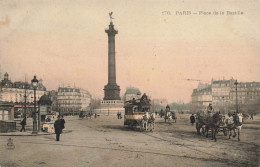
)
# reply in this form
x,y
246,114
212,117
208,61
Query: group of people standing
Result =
x,y
59,125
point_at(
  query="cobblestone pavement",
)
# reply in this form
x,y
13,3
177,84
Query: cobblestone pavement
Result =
x,y
106,142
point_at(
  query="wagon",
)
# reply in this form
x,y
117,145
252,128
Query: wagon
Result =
x,y
200,124
135,111
223,127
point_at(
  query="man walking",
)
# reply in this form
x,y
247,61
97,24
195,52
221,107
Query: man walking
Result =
x,y
252,116
59,125
192,119
23,123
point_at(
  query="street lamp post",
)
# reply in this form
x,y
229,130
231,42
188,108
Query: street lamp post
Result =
x,y
108,108
35,84
223,103
25,99
236,97
59,109
25,96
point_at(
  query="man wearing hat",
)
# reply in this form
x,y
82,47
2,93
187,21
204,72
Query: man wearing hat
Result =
x,y
210,110
167,110
59,125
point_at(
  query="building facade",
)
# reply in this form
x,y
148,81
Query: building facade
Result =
x,y
201,97
71,101
222,95
14,92
248,96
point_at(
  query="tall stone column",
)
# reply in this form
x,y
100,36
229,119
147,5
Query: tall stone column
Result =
x,y
112,90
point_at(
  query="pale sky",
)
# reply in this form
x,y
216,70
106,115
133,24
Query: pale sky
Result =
x,y
64,42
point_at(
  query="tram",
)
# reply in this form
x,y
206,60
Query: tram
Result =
x,y
137,111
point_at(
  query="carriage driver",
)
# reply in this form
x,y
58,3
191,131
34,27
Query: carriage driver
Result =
x,y
210,110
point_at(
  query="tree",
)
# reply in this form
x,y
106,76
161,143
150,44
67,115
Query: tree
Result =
x,y
95,103
156,107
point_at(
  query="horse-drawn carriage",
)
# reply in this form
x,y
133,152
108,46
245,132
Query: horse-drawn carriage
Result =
x,y
213,122
217,123
170,115
138,113
85,114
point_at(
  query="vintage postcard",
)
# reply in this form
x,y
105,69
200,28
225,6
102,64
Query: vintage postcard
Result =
x,y
129,83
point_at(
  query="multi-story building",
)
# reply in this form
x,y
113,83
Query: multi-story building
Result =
x,y
15,91
223,95
248,95
205,96
194,100
201,97
131,93
72,100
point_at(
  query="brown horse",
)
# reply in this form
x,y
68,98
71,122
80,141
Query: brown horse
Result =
x,y
213,123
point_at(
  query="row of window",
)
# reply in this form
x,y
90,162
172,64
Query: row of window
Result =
x,y
245,93
70,105
245,89
68,94
68,90
68,102
220,85
110,102
220,89
219,97
69,97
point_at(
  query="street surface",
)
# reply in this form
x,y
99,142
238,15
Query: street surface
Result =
x,y
104,141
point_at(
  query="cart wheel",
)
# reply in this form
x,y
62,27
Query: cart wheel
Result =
x,y
203,131
225,131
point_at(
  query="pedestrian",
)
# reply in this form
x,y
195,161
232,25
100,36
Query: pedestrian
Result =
x,y
81,114
118,115
23,123
62,122
192,119
59,126
252,116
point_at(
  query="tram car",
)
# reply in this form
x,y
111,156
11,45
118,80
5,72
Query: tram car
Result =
x,y
137,111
